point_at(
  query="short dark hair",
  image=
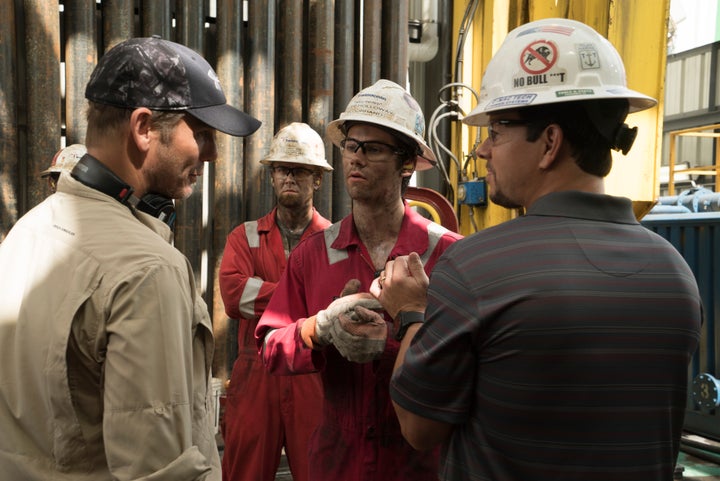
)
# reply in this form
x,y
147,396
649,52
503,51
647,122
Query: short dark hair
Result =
x,y
104,119
583,124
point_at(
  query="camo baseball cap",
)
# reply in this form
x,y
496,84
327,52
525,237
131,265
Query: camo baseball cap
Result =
x,y
163,75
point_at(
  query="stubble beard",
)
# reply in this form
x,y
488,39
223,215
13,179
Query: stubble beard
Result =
x,y
290,201
500,199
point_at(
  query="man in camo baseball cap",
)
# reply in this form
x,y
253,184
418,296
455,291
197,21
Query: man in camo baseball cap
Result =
x,y
163,75
109,301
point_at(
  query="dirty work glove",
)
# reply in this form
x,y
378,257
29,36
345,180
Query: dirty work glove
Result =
x,y
360,335
351,287
341,306
317,337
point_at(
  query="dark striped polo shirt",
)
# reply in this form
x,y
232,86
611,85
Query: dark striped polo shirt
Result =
x,y
558,343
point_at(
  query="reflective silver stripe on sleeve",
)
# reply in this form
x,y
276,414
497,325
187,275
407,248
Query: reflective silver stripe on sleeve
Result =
x,y
251,232
247,299
334,255
435,233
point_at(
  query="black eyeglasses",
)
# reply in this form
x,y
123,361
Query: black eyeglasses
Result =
x,y
374,151
492,126
296,172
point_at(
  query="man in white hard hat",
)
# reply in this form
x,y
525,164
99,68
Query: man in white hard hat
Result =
x,y
266,413
306,328
63,161
556,345
106,345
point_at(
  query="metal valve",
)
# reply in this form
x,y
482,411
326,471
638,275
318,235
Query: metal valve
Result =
x,y
706,391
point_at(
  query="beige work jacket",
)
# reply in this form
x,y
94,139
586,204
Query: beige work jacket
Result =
x,y
105,347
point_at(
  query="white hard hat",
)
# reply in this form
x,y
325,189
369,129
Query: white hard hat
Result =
x,y
65,159
553,60
298,143
386,104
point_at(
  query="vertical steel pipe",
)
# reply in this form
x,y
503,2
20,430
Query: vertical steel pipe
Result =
x,y
190,233
441,68
321,21
190,24
290,77
9,135
80,59
228,198
344,88
42,43
118,21
395,41
156,18
372,42
259,195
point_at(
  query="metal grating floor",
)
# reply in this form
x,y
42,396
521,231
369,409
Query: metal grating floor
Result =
x,y
689,468
696,469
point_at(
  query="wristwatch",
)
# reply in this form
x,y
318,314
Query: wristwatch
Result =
x,y
404,319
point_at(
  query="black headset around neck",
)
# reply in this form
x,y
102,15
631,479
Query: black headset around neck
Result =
x,y
96,175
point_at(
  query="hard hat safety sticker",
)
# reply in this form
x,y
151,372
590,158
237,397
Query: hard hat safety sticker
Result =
x,y
588,56
538,57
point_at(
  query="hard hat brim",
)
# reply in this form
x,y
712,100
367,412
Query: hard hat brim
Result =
x,y
294,160
480,115
334,132
49,171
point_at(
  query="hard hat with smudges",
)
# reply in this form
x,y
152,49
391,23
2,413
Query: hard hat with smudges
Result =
x,y
65,159
387,104
298,143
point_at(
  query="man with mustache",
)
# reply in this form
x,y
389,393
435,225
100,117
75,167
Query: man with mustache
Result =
x,y
555,345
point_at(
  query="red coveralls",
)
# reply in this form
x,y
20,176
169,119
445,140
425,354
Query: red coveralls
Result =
x,y
263,413
359,437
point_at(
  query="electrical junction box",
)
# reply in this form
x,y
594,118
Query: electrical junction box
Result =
x,y
472,192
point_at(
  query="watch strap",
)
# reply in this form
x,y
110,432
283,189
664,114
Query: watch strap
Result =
x,y
405,319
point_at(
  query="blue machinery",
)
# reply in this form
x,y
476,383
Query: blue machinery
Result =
x,y
691,222
695,200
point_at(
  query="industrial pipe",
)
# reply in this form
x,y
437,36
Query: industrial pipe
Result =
x,y
344,88
321,40
10,165
692,200
80,60
261,105
372,42
290,52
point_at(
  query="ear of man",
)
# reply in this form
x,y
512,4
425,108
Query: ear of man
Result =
x,y
552,141
408,167
140,121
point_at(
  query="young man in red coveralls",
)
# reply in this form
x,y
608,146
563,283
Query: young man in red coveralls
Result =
x,y
266,413
381,137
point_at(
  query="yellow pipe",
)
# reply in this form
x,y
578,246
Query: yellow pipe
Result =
x,y
433,213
